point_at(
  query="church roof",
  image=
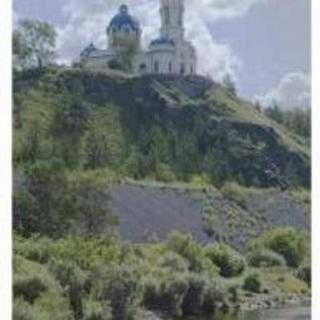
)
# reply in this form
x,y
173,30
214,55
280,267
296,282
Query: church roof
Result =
x,y
162,40
124,19
88,50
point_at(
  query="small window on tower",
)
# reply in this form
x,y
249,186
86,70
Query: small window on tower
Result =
x,y
191,69
170,67
167,15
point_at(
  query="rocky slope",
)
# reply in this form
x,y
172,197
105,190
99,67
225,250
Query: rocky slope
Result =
x,y
162,128
149,212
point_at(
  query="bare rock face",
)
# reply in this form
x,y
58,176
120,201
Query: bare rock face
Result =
x,y
149,212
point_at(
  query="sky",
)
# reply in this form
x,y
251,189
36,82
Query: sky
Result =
x,y
263,44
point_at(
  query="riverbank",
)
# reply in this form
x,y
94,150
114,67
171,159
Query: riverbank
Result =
x,y
267,301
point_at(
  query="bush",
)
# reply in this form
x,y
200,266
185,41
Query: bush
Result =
x,y
236,193
22,310
230,262
165,295
94,310
185,246
164,173
123,291
35,248
214,298
304,273
194,298
265,258
252,283
288,242
174,262
29,288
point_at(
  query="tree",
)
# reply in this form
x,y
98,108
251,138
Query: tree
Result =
x,y
275,113
229,83
34,44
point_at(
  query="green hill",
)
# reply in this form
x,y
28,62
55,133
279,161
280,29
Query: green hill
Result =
x,y
166,128
97,154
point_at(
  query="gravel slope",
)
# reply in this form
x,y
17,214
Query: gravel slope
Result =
x,y
148,213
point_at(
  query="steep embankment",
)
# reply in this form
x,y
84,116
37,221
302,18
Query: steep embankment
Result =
x,y
200,127
149,211
164,128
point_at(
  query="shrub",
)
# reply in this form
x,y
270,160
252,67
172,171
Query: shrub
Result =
x,y
164,173
235,192
185,246
165,295
230,262
72,279
288,242
95,310
30,288
22,310
123,291
174,262
214,298
35,249
304,273
252,283
234,295
194,298
265,258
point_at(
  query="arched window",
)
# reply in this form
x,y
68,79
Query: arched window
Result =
x,y
170,67
182,68
191,69
156,67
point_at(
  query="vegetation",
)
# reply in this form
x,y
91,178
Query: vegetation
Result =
x,y
79,132
289,243
229,262
252,283
265,258
104,278
33,44
296,120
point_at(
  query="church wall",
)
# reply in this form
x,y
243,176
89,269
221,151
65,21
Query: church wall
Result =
x,y
161,61
98,64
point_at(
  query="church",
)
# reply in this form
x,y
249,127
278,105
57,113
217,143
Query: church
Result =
x,y
169,53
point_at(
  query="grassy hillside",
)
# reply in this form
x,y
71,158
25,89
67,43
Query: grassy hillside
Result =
x,y
165,128
97,153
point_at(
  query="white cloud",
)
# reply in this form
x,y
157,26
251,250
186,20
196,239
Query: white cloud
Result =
x,y
293,91
87,21
226,9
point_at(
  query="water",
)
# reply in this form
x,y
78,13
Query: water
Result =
x,y
293,313
302,313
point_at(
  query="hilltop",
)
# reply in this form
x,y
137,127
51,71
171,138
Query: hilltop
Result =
x,y
171,129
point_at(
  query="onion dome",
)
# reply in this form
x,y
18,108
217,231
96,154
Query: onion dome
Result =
x,y
123,21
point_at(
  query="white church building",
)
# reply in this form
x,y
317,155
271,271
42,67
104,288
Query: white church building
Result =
x,y
169,53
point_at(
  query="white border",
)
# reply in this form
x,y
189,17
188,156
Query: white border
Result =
x,y
316,157
5,159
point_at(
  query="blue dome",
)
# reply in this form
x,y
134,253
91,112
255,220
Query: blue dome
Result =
x,y
162,40
123,19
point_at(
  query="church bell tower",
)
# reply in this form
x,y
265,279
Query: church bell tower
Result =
x,y
172,19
